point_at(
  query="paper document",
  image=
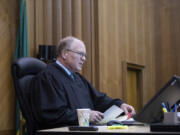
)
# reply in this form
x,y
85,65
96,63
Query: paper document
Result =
x,y
112,114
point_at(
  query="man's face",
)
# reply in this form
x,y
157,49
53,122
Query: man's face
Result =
x,y
75,56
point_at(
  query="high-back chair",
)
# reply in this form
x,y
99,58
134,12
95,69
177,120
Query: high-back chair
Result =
x,y
23,71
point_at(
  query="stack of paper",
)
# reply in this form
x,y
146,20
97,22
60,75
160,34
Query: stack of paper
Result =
x,y
113,113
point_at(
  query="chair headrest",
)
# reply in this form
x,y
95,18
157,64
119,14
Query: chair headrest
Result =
x,y
28,66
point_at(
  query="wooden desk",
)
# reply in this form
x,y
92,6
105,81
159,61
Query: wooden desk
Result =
x,y
135,130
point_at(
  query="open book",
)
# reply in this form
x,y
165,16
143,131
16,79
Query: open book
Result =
x,y
114,113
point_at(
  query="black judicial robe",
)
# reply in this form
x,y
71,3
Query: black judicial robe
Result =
x,y
55,96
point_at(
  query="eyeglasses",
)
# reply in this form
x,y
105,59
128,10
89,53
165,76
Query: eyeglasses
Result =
x,y
80,53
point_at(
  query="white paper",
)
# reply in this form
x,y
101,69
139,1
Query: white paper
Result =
x,y
111,114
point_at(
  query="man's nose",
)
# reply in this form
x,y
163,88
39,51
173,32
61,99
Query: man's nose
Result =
x,y
83,58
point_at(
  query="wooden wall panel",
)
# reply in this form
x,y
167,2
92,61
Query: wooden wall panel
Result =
x,y
134,31
8,24
48,21
141,32
56,19
87,37
38,24
31,25
77,18
67,18
95,71
167,43
110,56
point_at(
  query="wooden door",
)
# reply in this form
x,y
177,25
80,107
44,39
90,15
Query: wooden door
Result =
x,y
132,89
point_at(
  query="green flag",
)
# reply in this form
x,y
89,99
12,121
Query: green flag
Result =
x,y
21,51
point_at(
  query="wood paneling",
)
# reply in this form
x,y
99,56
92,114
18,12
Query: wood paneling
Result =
x,y
167,40
77,18
136,31
56,19
87,37
31,26
48,21
95,72
141,32
8,24
66,18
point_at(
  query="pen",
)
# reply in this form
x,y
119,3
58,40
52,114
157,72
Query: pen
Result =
x,y
164,107
164,110
117,127
175,107
168,107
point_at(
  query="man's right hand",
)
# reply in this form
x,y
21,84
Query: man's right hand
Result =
x,y
96,116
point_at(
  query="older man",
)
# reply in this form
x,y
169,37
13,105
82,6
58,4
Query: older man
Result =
x,y
59,90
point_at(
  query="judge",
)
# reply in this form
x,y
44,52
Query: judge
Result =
x,y
59,90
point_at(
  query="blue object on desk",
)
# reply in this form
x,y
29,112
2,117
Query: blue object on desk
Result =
x,y
164,106
175,107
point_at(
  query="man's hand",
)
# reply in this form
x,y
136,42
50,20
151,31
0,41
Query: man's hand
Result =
x,y
96,116
127,108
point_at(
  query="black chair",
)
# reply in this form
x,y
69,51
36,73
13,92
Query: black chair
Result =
x,y
23,71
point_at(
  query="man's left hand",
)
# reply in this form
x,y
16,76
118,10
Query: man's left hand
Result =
x,y
127,108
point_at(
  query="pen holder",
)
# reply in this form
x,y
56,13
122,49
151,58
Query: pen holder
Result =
x,y
171,117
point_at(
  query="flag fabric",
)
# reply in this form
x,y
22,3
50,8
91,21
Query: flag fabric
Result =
x,y
21,50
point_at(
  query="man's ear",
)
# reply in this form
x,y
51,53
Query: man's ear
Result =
x,y
64,54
